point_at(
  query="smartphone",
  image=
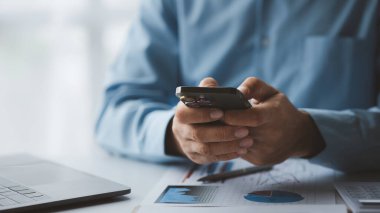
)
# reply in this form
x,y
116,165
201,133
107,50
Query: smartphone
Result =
x,y
226,98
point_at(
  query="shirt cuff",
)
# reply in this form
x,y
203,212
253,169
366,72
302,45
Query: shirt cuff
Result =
x,y
339,135
159,121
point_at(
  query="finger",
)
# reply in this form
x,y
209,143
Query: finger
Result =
x,y
226,157
216,133
252,117
221,148
257,89
208,82
188,115
199,159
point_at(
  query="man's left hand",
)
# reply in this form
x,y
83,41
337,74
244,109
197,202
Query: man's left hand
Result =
x,y
278,129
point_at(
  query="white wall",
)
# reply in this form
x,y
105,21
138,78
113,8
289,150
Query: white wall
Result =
x,y
53,56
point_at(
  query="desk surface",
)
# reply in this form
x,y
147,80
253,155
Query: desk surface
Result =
x,y
140,176
90,158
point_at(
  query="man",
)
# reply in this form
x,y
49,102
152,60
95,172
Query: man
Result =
x,y
311,69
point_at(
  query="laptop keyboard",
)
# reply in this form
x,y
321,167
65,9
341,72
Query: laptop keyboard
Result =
x,y
12,193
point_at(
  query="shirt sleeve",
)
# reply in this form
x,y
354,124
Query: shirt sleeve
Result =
x,y
352,136
352,139
139,97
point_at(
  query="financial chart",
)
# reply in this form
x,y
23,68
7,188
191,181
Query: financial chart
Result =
x,y
295,181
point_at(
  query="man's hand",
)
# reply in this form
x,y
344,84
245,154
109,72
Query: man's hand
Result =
x,y
278,129
203,142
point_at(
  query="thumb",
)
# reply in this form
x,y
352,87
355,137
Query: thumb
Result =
x,y
257,89
208,82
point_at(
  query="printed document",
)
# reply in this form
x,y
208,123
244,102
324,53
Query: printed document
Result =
x,y
295,181
245,209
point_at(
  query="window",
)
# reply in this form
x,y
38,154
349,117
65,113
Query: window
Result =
x,y
53,57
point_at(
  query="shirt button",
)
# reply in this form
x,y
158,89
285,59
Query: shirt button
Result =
x,y
265,41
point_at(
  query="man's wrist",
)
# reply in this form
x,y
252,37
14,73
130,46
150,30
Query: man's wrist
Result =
x,y
172,146
312,142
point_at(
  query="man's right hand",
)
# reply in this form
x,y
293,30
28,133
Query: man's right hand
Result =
x,y
195,137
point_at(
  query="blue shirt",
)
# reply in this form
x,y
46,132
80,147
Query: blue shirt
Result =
x,y
324,55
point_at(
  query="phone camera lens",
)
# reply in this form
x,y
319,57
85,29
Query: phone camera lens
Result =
x,y
192,104
204,102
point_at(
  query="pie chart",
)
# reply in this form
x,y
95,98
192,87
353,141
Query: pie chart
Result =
x,y
273,196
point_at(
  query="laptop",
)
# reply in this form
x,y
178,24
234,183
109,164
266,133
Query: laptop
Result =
x,y
30,183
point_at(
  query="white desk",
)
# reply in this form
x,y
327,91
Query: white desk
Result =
x,y
139,176
90,158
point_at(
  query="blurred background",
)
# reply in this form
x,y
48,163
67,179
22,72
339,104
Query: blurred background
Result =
x,y
53,59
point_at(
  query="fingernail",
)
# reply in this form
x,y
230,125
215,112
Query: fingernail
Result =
x,y
216,114
246,143
240,133
242,151
243,89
